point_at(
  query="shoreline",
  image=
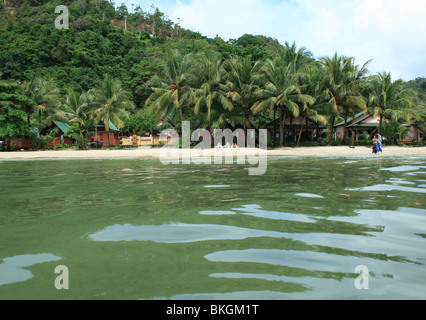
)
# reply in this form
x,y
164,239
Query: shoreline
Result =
x,y
154,153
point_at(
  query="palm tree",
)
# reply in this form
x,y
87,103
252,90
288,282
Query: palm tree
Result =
x,y
312,84
394,131
389,99
111,102
222,118
211,93
342,88
299,58
76,110
46,95
309,111
280,89
241,74
357,82
171,87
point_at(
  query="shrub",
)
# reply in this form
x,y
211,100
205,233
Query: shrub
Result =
x,y
364,142
272,144
61,146
12,148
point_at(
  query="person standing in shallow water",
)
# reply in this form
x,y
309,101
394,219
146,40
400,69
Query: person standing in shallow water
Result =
x,y
379,144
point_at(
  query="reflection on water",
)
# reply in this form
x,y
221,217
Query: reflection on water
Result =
x,y
309,195
403,168
388,187
180,233
133,229
256,211
218,186
315,261
11,270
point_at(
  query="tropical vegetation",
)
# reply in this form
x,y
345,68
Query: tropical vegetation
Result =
x,y
143,72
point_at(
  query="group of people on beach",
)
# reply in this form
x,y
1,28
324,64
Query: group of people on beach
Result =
x,y
377,144
227,146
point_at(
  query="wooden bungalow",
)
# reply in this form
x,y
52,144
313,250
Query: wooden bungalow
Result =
x,y
21,144
414,133
360,123
366,123
59,137
105,138
294,127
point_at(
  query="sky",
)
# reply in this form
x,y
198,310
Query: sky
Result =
x,y
391,33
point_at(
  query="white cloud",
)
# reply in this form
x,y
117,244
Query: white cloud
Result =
x,y
391,32
229,18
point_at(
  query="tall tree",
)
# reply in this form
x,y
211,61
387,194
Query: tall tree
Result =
x,y
210,92
172,87
356,83
390,100
76,110
341,88
312,84
12,120
281,87
45,94
241,74
111,102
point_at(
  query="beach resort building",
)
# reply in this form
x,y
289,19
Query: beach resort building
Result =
x,y
60,129
365,123
294,127
102,137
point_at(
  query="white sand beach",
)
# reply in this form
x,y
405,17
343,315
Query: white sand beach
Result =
x,y
155,153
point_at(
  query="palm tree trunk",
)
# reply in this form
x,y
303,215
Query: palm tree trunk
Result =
x,y
81,137
180,115
380,125
330,139
275,120
301,131
244,120
282,124
39,121
345,129
316,132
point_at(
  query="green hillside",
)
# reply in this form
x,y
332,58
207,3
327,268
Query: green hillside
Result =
x,y
241,82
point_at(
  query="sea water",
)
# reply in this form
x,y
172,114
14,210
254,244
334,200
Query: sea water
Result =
x,y
138,229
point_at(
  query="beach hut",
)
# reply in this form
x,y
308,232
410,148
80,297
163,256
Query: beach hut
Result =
x,y
366,123
19,143
360,123
103,137
59,136
294,127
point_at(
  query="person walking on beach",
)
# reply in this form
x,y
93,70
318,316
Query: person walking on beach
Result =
x,y
379,144
375,144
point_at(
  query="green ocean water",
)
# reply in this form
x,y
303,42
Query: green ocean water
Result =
x,y
137,229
